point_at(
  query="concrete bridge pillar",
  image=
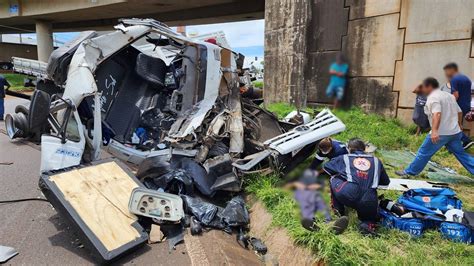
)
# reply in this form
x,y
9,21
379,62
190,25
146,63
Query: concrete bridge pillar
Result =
x,y
303,38
44,38
286,25
390,48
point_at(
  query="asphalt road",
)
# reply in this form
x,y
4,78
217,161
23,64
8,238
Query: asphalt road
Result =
x,y
42,237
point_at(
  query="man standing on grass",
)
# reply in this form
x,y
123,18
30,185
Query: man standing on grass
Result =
x,y
461,89
445,118
3,83
338,72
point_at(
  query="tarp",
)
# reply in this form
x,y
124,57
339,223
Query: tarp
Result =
x,y
434,171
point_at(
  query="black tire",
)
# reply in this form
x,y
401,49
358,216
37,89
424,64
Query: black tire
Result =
x,y
21,122
22,109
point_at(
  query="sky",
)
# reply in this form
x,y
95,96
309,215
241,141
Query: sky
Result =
x,y
246,37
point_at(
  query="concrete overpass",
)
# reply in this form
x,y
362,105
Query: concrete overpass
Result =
x,y
46,16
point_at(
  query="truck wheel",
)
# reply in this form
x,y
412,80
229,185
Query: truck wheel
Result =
x,y
22,109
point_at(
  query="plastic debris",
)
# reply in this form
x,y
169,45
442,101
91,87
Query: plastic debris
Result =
x,y
156,236
7,253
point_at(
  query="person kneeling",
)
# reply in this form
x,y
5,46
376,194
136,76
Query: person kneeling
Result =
x,y
354,181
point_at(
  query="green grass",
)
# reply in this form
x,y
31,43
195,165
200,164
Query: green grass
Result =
x,y
16,81
380,131
384,133
283,109
258,84
392,247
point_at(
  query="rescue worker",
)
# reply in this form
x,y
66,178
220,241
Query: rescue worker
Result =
x,y
327,149
354,181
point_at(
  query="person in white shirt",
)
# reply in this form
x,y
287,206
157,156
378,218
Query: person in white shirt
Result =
x,y
445,118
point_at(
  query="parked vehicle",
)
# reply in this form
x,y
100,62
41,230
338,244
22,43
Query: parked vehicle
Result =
x,y
6,66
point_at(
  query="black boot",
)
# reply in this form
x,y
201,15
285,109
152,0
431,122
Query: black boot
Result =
x,y
367,229
309,224
340,225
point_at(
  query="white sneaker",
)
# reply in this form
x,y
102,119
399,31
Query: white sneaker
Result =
x,y
467,146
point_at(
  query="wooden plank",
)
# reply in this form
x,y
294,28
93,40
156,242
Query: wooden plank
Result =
x,y
100,194
112,182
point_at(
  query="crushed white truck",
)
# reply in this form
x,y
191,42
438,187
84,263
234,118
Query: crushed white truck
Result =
x,y
153,98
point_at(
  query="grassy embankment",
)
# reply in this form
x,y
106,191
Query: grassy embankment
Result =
x,y
16,81
351,248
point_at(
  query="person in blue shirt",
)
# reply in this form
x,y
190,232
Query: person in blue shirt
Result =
x,y
354,181
461,89
327,149
337,83
3,84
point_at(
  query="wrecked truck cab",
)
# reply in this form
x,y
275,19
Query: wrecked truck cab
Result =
x,y
151,97
144,77
142,96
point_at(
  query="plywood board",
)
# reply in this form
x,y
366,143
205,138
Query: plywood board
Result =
x,y
100,194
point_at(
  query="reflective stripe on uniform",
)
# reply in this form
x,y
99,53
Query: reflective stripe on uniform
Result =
x,y
319,157
348,168
375,182
360,155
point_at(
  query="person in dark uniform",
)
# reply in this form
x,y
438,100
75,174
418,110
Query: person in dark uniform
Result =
x,y
354,181
419,117
3,85
327,149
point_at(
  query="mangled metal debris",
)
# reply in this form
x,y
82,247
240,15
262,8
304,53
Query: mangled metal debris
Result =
x,y
176,108
145,91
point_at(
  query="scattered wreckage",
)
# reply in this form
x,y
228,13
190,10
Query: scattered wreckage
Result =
x,y
176,109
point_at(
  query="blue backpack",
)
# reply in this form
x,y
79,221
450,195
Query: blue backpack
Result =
x,y
457,232
414,226
427,200
426,205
